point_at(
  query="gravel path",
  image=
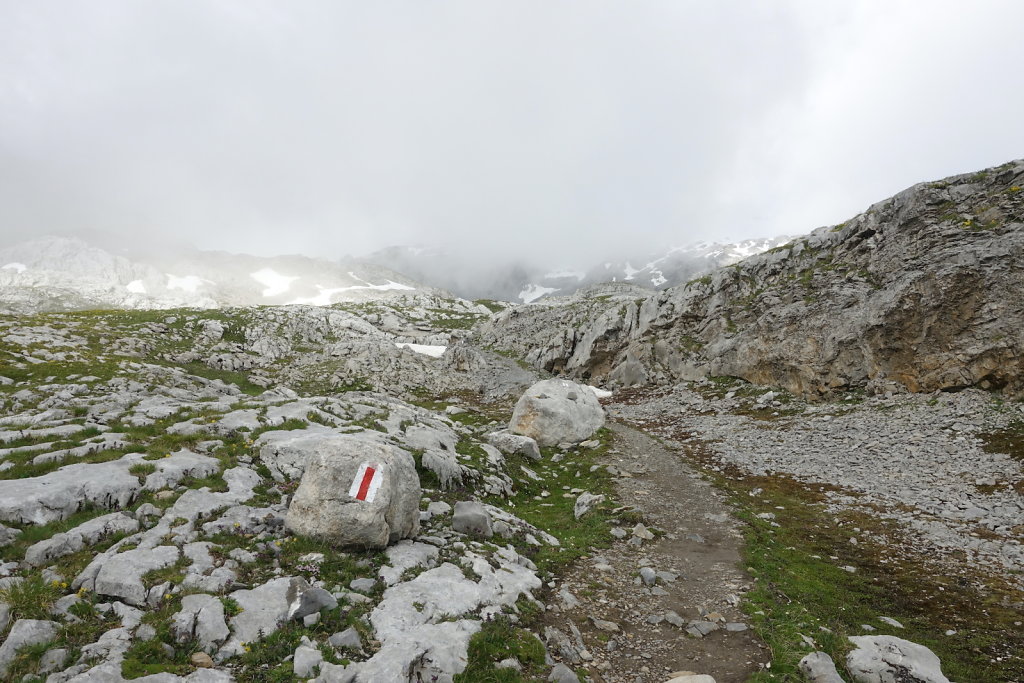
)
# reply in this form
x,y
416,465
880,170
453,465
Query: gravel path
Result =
x,y
914,458
686,619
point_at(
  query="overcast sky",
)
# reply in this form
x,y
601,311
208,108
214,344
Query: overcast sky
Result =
x,y
563,131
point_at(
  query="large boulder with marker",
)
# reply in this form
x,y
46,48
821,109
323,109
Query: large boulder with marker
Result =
x,y
557,411
358,490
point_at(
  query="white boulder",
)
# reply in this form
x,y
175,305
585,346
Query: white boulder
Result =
x,y
888,659
557,411
357,490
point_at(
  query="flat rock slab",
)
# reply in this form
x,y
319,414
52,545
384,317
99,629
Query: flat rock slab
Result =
x,y
87,533
57,495
120,575
24,633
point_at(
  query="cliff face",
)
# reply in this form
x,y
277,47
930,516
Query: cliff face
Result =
x,y
925,290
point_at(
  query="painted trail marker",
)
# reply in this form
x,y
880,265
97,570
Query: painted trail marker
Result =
x,y
367,481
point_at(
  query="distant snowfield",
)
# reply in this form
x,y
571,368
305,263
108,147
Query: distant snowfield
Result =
x,y
136,287
189,283
274,282
323,298
19,267
534,292
425,349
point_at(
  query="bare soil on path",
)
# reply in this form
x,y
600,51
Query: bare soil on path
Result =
x,y
697,540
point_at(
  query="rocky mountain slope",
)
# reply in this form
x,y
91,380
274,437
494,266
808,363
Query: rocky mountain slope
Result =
x,y
147,460
55,273
921,291
525,283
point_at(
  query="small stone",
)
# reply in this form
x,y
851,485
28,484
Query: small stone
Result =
x,y
362,585
674,619
818,667
201,660
563,674
648,576
699,629
306,661
510,663
892,622
736,627
349,638
601,624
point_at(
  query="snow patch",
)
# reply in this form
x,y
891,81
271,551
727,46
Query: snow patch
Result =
x,y
19,267
324,297
136,287
433,351
658,278
534,292
600,393
630,271
189,283
274,282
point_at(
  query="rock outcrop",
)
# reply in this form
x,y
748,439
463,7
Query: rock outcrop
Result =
x,y
887,659
921,291
357,490
555,411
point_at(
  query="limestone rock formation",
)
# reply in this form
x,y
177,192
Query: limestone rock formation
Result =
x,y
887,659
357,490
555,411
922,291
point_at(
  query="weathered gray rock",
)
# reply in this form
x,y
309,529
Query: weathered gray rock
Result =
x,y
349,638
8,535
818,667
585,503
202,618
324,508
556,411
310,600
563,674
25,632
406,555
473,519
445,464
306,661
919,290
887,659
87,533
54,496
266,608
53,660
120,575
512,444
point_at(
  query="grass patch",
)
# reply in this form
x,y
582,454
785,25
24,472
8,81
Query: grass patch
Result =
x,y
239,379
554,513
498,640
32,598
1008,440
800,588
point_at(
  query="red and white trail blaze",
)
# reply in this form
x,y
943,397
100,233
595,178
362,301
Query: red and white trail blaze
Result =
x,y
367,481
